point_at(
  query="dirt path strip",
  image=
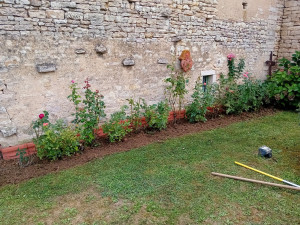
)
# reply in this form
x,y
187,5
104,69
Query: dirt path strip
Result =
x,y
11,173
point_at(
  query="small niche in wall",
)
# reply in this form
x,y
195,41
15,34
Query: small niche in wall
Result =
x,y
208,77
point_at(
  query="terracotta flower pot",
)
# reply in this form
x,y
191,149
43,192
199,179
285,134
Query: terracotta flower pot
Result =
x,y
179,115
11,152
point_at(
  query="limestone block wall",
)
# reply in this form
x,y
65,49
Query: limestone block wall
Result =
x,y
290,34
46,44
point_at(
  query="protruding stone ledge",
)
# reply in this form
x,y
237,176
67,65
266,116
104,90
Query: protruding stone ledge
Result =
x,y
162,61
176,39
46,67
128,62
101,49
80,51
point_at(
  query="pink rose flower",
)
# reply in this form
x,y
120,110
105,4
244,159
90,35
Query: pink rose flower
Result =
x,y
41,116
204,84
245,75
45,124
72,81
230,56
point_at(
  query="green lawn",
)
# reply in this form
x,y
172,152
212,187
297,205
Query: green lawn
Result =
x,y
170,182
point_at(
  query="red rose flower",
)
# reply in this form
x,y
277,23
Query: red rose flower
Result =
x,y
41,116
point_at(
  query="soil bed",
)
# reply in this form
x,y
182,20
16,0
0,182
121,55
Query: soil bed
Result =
x,y
11,173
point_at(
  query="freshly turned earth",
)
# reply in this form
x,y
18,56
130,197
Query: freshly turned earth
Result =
x,y
11,173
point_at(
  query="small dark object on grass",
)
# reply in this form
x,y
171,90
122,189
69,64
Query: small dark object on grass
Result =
x,y
265,151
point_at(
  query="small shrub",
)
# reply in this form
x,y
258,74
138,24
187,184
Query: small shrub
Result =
x,y
284,84
56,140
135,113
88,111
248,96
117,127
23,159
176,89
157,115
238,97
196,111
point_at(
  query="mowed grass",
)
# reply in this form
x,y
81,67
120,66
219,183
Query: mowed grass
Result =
x,y
171,182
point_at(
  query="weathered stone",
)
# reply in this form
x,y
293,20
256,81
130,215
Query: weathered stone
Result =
x,y
3,69
101,49
74,15
2,86
162,61
8,129
36,2
9,1
4,117
37,14
55,14
166,13
128,62
176,39
94,16
80,51
23,2
46,67
2,110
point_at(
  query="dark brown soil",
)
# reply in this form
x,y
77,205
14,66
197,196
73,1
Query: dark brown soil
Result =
x,y
11,173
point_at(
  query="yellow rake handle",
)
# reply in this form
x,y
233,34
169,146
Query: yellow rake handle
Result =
x,y
269,175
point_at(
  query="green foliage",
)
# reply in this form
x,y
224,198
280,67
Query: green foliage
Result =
x,y
157,115
135,113
238,97
57,140
284,84
235,72
176,89
88,111
23,159
117,127
248,96
196,111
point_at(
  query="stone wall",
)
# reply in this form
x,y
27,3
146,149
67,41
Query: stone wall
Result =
x,y
46,44
290,34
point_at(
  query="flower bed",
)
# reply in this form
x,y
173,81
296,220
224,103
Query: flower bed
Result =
x,y
11,152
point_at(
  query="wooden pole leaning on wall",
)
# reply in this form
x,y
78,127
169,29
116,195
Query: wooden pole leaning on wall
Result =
x,y
255,181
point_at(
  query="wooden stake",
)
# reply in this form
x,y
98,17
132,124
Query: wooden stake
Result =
x,y
255,181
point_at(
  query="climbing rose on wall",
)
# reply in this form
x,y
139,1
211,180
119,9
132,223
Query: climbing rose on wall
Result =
x,y
246,75
186,60
230,56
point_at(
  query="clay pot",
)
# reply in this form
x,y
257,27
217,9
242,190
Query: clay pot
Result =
x,y
11,152
179,115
